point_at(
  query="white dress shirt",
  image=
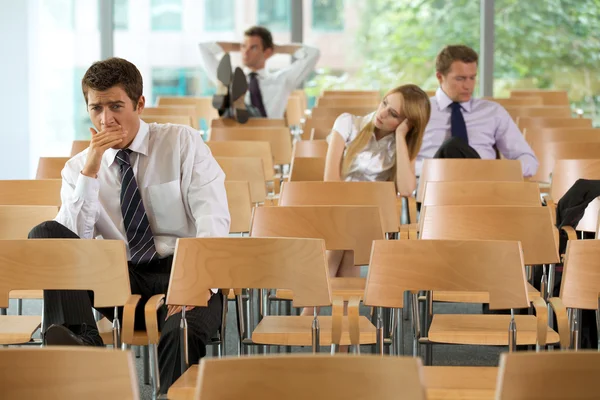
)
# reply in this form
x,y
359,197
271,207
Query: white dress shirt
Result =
x,y
376,162
181,185
275,86
488,125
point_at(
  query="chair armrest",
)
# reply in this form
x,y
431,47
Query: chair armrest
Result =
x,y
354,320
412,232
412,210
562,320
571,234
541,312
552,206
150,312
337,316
129,318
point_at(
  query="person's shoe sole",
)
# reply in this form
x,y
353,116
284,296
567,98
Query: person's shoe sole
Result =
x,y
224,70
239,85
58,335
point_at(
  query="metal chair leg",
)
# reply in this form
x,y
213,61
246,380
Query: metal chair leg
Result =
x,y
137,351
19,306
146,362
316,340
512,332
183,330
153,355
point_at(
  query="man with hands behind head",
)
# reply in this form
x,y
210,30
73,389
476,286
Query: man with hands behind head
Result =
x,y
145,184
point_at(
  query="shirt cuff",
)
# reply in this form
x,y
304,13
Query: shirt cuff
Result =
x,y
213,47
86,188
214,291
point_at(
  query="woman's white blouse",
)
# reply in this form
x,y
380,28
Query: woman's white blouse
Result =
x,y
376,161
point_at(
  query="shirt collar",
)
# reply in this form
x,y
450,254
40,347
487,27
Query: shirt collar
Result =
x,y
261,73
443,101
139,144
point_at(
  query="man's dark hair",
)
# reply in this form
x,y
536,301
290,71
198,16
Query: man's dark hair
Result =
x,y
263,33
452,53
103,75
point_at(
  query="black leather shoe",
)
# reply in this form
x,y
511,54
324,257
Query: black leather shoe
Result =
x,y
239,85
59,335
224,70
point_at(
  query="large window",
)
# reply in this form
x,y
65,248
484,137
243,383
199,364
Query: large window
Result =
x,y
121,14
219,15
180,82
274,14
81,117
328,15
166,15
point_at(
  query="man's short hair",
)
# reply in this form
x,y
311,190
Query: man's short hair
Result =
x,y
103,75
263,33
451,53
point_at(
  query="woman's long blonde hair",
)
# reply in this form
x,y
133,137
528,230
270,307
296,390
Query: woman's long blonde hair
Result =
x,y
416,108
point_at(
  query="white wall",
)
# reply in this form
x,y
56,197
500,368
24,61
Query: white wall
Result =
x,y
14,90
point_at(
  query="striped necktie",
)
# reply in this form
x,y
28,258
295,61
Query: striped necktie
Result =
x,y
135,220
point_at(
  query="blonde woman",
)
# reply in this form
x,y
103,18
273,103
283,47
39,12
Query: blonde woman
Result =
x,y
381,146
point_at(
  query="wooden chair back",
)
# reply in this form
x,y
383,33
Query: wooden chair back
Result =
x,y
525,123
279,138
482,194
566,173
319,133
347,93
342,377
170,119
251,123
302,95
451,170
551,152
240,206
446,265
33,192
182,111
294,111
532,226
580,284
249,169
381,194
45,264
321,124
348,101
517,101
78,146
256,263
342,227
245,148
50,167
203,105
310,148
67,373
552,375
430,93
307,169
17,221
549,97
329,112
540,111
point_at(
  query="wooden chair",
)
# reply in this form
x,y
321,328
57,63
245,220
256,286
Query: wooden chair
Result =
x,y
537,136
549,97
337,378
302,95
182,111
449,265
347,93
203,105
381,194
330,112
249,169
78,146
279,138
319,133
251,123
517,101
451,170
67,373
294,112
34,192
532,226
310,148
453,382
348,101
50,167
525,123
552,376
541,111
550,152
170,119
320,124
245,148
430,93
481,194
566,173
307,169
240,206
45,264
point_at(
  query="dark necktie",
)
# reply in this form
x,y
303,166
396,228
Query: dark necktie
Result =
x,y
137,226
457,123
255,94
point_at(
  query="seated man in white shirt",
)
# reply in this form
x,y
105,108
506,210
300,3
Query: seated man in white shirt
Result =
x,y
268,91
145,184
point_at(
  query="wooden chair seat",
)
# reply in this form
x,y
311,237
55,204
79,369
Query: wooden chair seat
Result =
x,y
296,331
140,338
460,383
17,329
27,294
184,387
340,287
489,330
474,297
